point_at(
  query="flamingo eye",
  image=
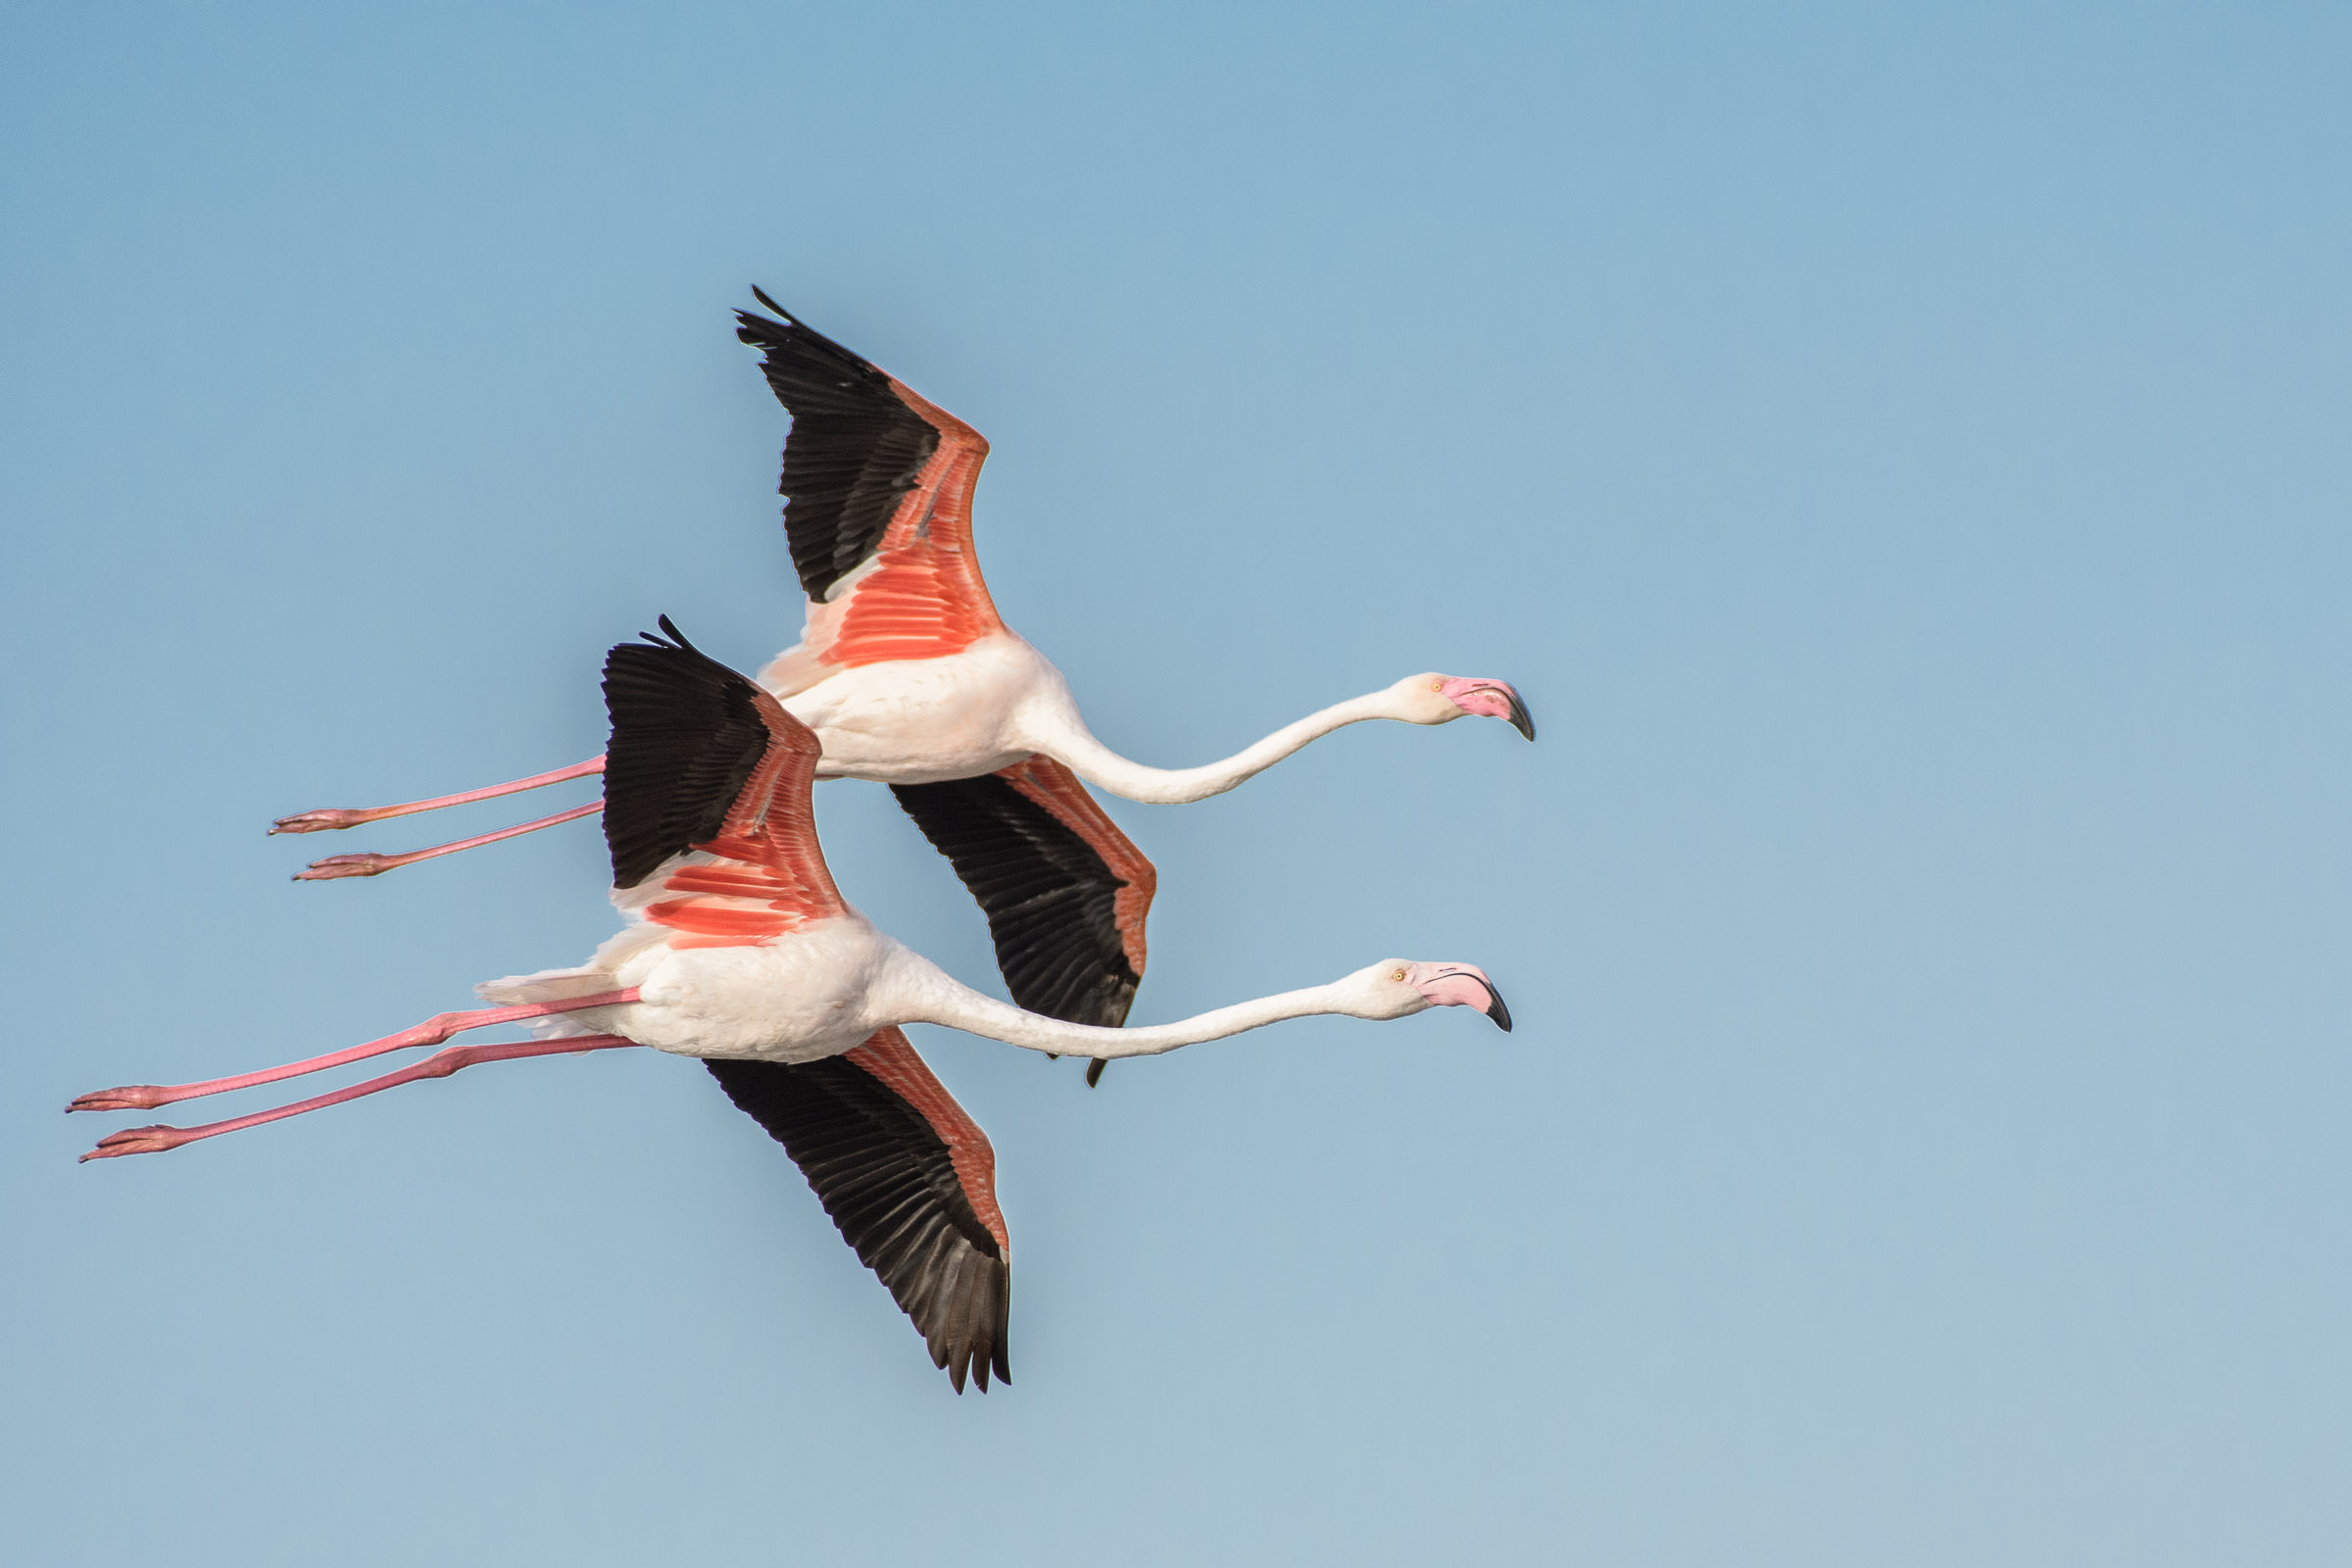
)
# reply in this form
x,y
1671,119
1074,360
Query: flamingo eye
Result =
x,y
1396,974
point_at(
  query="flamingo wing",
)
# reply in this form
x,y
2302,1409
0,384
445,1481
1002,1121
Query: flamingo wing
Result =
x,y
1066,893
878,502
909,1179
707,799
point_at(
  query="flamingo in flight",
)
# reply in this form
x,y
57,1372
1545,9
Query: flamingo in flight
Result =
x,y
739,950
908,676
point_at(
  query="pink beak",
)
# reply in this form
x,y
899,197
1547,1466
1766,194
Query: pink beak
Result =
x,y
1489,699
1463,985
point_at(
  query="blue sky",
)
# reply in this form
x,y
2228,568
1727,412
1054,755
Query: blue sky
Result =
x,y
1897,449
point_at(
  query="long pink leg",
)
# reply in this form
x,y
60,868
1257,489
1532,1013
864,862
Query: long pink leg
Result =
x,y
432,1032
321,821
440,1065
339,865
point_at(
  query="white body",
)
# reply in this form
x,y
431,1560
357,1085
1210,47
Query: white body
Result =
x,y
926,720
824,987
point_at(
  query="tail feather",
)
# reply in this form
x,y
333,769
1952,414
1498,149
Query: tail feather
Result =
x,y
604,972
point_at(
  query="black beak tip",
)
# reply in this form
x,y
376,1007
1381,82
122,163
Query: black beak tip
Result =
x,y
1521,719
1497,1010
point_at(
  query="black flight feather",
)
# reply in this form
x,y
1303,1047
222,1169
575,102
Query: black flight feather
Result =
x,y
889,1181
686,733
855,449
1048,895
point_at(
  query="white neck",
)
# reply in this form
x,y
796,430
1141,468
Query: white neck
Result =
x,y
1065,738
917,990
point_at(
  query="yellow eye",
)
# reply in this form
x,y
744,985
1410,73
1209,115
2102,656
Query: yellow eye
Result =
x,y
1396,974
1436,685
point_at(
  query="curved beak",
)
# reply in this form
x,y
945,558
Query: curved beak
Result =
x,y
1494,1008
1490,698
1461,986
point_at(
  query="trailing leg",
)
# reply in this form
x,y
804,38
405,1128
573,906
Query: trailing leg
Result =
x,y
432,1032
370,864
328,820
440,1065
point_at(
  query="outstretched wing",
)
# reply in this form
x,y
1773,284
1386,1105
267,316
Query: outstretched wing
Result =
x,y
908,1178
1066,893
706,782
877,492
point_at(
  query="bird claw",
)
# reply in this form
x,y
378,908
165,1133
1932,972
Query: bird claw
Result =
x,y
133,1097
341,865
136,1141
319,821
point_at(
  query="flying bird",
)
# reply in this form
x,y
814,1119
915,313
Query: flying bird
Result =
x,y
739,950
908,676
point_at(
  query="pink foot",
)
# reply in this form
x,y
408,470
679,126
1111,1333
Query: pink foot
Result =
x,y
136,1141
320,821
135,1097
338,866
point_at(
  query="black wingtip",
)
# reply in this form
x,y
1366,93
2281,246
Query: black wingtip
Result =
x,y
1525,723
761,295
976,1362
1094,1070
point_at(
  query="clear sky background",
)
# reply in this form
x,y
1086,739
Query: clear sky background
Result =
x,y
1900,450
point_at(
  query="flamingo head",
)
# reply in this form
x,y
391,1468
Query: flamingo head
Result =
x,y
1435,699
1398,988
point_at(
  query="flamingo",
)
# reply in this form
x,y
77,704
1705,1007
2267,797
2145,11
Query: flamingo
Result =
x,y
908,676
739,950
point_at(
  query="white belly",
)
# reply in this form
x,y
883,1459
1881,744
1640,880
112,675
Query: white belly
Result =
x,y
799,998
920,720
